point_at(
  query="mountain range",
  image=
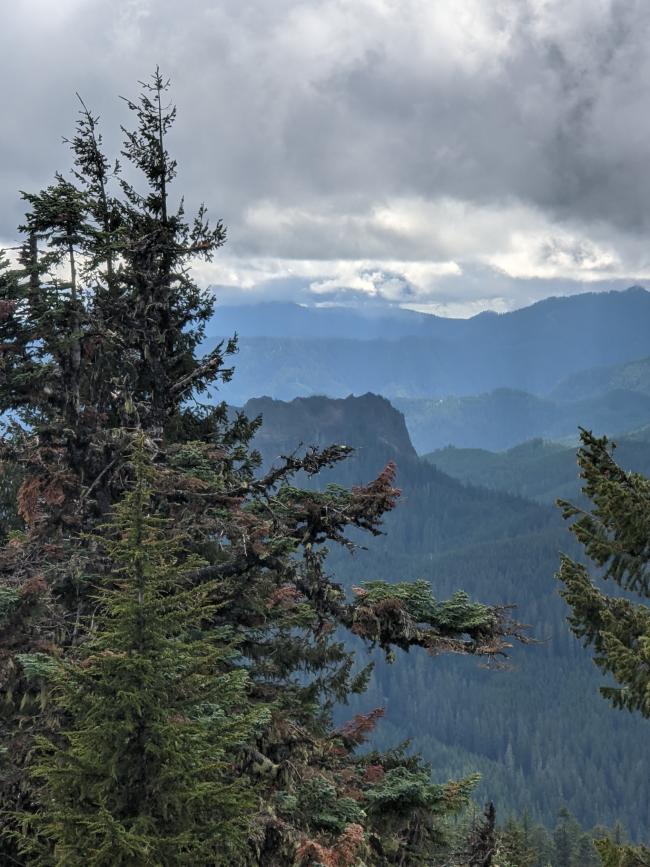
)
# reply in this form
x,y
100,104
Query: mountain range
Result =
x,y
503,418
288,350
473,516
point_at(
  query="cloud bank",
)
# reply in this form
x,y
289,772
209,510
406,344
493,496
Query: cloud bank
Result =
x,y
450,156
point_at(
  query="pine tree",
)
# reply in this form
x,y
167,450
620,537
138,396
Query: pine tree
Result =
x,y
112,350
483,841
564,839
514,848
153,712
613,855
585,854
615,534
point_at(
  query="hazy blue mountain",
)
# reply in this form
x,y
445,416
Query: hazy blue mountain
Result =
x,y
536,469
500,548
285,319
288,351
631,376
503,418
284,368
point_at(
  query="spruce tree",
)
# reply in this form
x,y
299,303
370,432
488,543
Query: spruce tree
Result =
x,y
153,712
564,839
514,847
585,854
113,349
615,534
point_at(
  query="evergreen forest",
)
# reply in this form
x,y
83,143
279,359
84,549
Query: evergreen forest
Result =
x,y
242,630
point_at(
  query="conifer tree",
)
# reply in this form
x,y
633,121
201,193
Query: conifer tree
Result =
x,y
153,712
564,839
615,534
114,349
613,855
514,848
585,854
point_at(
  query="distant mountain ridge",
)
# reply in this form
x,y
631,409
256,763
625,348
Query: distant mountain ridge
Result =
x,y
281,319
596,381
370,322
336,352
502,418
537,469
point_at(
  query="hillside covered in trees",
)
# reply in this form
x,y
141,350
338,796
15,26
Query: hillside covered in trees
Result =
x,y
277,636
460,717
538,469
172,656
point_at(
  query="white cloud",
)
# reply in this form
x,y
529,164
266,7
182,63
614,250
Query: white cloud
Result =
x,y
423,240
462,309
394,148
370,276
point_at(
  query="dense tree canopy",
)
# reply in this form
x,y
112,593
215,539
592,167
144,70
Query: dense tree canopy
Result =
x,y
100,330
151,696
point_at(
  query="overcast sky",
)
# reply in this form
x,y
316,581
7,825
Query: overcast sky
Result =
x,y
448,155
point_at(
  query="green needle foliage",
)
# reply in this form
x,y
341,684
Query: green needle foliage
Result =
x,y
101,328
144,768
615,534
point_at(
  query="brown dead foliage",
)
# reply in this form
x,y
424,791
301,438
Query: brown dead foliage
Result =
x,y
7,308
373,774
28,497
34,587
356,730
342,854
50,490
284,597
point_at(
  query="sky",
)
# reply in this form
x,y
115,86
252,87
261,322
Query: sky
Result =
x,y
448,156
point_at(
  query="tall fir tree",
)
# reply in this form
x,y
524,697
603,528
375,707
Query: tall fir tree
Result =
x,y
153,713
112,349
514,846
615,535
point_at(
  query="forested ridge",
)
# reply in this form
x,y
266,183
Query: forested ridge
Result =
x,y
515,726
538,469
220,628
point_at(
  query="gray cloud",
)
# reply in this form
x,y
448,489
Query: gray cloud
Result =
x,y
510,138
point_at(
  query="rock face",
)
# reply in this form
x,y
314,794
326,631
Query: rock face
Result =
x,y
368,422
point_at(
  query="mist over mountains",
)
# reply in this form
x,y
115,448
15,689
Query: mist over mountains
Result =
x,y
631,376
